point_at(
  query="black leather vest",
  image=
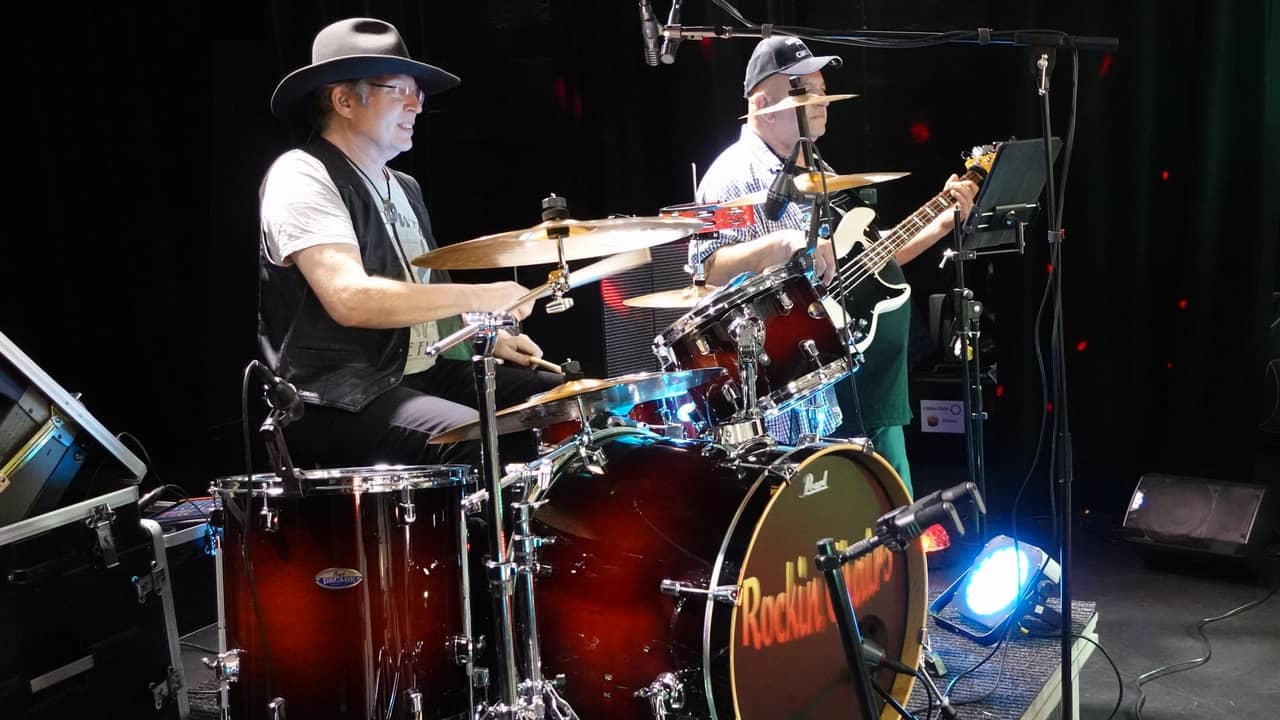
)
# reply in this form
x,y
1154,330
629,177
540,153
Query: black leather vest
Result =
x,y
342,367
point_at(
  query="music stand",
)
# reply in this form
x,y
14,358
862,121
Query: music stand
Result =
x,y
1009,197
1006,203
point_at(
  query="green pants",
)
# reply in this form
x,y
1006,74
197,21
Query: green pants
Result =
x,y
891,444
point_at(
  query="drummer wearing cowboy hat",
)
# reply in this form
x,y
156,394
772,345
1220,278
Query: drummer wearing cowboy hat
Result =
x,y
342,314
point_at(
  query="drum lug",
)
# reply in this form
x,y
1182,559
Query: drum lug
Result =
x,y
269,518
665,695
810,349
817,310
406,512
275,709
784,302
726,594
226,666
702,345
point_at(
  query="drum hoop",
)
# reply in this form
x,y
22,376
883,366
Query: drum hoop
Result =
x,y
370,479
917,571
725,299
794,392
709,608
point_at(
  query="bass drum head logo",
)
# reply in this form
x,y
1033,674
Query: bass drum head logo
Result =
x,y
338,578
785,652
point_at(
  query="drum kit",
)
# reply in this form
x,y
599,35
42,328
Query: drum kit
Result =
x,y
656,560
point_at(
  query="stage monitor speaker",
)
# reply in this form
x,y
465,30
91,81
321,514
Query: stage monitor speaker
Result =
x,y
1198,514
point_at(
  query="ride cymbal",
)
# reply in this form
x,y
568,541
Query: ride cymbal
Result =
x,y
792,102
684,298
810,183
538,245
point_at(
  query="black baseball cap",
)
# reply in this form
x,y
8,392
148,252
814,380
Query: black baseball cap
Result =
x,y
783,54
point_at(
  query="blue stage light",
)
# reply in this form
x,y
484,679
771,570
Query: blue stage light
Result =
x,y
1007,580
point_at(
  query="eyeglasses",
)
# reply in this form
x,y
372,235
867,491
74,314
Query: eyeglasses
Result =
x,y
400,92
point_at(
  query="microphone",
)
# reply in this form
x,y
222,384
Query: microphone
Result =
x,y
281,394
649,29
779,194
669,45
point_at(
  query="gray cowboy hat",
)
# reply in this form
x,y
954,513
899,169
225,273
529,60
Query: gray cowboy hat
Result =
x,y
352,49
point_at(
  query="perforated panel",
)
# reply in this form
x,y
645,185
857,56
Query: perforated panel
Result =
x,y
628,331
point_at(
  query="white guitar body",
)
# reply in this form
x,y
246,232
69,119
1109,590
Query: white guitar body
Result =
x,y
867,299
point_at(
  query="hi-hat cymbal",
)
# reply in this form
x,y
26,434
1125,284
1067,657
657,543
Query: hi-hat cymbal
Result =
x,y
582,239
614,396
810,183
792,102
684,298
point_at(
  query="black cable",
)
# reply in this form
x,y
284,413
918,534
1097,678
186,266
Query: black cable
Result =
x,y
151,466
897,706
1160,672
928,694
246,523
1114,668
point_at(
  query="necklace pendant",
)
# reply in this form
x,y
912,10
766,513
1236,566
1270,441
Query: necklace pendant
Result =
x,y
392,215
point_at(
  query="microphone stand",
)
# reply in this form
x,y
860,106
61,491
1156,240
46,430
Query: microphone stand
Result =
x,y
1061,427
893,530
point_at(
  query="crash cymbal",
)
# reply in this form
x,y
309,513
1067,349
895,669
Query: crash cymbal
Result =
x,y
792,102
614,396
582,239
683,298
810,183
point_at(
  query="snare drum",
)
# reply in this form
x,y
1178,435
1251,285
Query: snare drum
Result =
x,y
803,350
684,576
356,604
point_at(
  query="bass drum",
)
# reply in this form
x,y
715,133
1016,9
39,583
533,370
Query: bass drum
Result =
x,y
625,610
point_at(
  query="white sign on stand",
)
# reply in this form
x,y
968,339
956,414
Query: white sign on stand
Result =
x,y
942,416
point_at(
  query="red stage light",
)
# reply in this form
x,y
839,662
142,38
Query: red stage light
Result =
x,y
1182,304
1080,346
1164,175
920,133
1104,67
612,296
935,538
999,391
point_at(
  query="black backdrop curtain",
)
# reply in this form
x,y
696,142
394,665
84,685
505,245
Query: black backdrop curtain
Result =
x,y
140,134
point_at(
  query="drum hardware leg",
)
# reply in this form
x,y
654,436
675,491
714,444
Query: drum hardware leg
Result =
x,y
276,709
538,694
726,594
592,457
665,695
748,332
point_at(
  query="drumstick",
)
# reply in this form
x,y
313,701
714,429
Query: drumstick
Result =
x,y
546,365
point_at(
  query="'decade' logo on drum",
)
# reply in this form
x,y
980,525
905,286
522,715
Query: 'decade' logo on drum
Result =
x,y
338,578
803,607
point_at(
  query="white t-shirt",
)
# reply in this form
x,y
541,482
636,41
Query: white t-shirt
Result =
x,y
301,208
